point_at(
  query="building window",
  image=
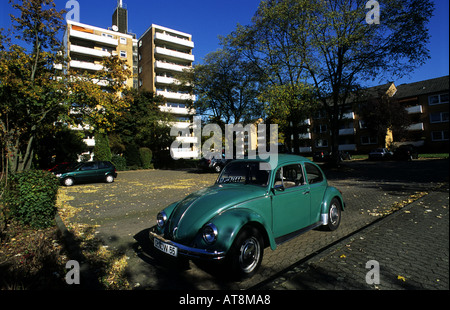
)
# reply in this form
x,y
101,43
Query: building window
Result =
x,y
321,143
140,43
123,41
439,117
438,99
123,54
439,135
320,128
368,140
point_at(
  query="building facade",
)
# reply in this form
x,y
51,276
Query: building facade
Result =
x,y
163,53
426,103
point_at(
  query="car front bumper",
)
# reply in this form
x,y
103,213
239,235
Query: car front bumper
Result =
x,y
187,251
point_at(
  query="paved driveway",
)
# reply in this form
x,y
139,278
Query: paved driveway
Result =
x,y
123,212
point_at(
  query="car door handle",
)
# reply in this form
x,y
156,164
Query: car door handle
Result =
x,y
306,192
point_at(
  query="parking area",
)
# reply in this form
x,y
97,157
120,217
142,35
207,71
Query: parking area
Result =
x,y
122,212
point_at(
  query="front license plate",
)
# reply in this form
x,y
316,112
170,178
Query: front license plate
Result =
x,y
165,247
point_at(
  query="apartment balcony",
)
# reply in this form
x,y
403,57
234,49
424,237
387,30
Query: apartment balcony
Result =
x,y
305,149
416,127
175,96
85,65
89,142
88,51
347,147
165,80
415,109
350,115
170,66
174,40
93,37
175,54
178,153
181,111
347,131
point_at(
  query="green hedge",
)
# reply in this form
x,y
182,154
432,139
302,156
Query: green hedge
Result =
x,y
119,162
146,157
31,198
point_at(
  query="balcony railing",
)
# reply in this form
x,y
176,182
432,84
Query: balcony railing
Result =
x,y
182,111
172,39
174,54
88,51
416,127
93,37
176,96
414,109
170,66
85,65
347,131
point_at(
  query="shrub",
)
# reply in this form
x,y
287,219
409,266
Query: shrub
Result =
x,y
102,152
31,198
132,155
119,162
146,157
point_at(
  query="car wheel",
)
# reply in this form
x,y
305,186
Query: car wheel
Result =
x,y
109,179
246,253
334,214
68,181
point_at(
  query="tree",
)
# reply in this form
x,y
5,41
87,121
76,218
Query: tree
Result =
x,y
142,124
384,113
30,90
227,88
96,99
331,46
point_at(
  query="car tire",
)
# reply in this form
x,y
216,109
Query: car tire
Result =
x,y
109,178
246,253
68,181
334,215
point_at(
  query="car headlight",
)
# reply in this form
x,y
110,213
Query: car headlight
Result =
x,y
210,233
161,219
58,175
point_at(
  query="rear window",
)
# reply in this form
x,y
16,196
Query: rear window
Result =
x,y
313,174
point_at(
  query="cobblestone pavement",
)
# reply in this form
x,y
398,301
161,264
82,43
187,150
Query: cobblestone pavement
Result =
x,y
409,248
123,211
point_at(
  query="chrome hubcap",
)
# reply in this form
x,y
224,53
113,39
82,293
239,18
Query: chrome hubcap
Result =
x,y
334,214
249,254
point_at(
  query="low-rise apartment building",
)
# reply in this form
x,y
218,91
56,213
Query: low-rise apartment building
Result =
x,y
426,103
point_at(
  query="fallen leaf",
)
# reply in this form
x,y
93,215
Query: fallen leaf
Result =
x,y
401,278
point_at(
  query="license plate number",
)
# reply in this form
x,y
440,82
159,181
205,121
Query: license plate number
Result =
x,y
165,247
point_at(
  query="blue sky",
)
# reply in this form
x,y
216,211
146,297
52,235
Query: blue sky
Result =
x,y
207,19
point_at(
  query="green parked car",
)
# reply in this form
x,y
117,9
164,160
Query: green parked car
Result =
x,y
93,171
248,210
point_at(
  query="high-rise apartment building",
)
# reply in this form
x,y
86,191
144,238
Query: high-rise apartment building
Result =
x,y
154,60
86,45
163,53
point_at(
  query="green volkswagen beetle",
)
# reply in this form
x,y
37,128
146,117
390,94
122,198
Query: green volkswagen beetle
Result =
x,y
247,210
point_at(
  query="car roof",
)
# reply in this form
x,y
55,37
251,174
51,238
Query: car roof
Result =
x,y
281,160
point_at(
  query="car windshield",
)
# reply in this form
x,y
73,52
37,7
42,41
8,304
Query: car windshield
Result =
x,y
244,173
